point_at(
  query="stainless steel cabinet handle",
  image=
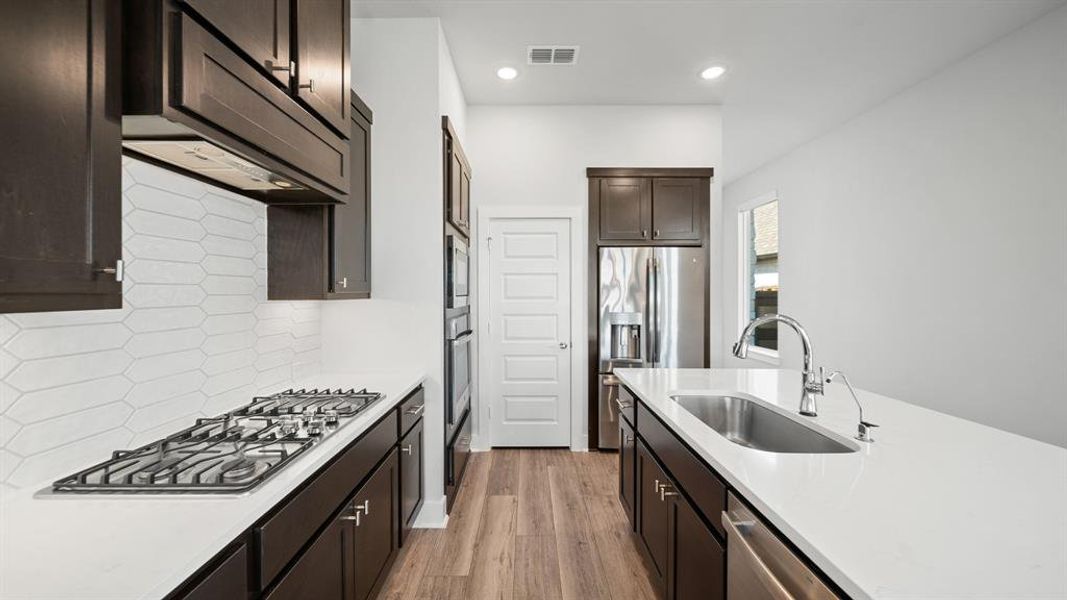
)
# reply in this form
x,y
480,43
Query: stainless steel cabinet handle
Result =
x,y
644,233
663,493
770,583
415,410
118,270
309,86
343,283
406,449
622,405
291,68
655,486
655,233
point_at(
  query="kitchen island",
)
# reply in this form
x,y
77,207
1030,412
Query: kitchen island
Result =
x,y
936,507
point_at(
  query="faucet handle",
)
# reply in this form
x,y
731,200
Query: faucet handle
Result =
x,y
864,431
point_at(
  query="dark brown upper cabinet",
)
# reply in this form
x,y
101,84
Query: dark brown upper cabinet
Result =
x,y
259,28
194,102
61,163
322,49
350,223
656,206
324,252
457,180
676,208
625,208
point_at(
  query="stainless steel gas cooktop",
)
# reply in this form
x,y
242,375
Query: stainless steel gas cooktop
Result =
x,y
231,453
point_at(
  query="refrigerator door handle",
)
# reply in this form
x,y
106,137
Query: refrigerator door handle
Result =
x,y
649,325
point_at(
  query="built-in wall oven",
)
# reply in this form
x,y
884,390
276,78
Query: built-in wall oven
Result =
x,y
458,377
457,276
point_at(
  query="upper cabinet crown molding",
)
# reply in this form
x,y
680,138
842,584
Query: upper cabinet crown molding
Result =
x,y
705,172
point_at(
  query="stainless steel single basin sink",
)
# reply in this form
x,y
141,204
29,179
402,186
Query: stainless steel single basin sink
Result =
x,y
752,425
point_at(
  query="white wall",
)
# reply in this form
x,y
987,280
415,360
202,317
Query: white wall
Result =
x,y
401,69
537,155
924,243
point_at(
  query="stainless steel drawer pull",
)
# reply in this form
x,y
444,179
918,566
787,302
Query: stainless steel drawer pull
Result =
x,y
622,405
415,410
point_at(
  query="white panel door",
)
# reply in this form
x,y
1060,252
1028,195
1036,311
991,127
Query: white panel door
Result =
x,y
529,335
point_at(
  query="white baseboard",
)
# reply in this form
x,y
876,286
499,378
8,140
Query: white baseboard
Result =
x,y
432,515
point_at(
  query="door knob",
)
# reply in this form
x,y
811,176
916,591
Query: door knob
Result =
x,y
564,345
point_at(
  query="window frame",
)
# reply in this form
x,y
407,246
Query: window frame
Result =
x,y
744,272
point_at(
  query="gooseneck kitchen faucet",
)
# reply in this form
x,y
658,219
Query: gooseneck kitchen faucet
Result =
x,y
812,383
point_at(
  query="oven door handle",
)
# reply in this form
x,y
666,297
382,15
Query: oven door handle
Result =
x,y
463,338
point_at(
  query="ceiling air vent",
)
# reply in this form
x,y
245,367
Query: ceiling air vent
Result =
x,y
552,55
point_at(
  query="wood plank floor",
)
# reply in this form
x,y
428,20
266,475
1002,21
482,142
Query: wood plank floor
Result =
x,y
527,525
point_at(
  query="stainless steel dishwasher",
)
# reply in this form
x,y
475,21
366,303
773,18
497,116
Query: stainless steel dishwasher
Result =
x,y
759,566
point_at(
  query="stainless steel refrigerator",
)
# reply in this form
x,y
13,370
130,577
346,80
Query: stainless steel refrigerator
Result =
x,y
652,314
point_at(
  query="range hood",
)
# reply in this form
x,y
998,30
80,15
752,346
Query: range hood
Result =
x,y
211,162
193,104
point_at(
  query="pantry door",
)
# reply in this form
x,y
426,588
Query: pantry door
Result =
x,y
529,337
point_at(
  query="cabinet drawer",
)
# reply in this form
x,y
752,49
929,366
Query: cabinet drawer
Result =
x,y
627,405
705,488
218,86
282,535
411,410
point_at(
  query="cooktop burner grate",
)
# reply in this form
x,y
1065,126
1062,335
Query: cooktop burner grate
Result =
x,y
231,453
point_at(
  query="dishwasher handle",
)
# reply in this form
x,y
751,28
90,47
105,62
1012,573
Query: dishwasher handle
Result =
x,y
745,552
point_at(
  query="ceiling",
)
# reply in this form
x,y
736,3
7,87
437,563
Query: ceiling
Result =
x,y
796,68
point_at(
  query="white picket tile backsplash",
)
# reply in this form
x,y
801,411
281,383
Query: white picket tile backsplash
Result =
x,y
195,337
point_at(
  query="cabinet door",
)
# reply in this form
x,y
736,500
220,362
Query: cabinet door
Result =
x,y
350,223
625,208
324,571
322,77
260,28
676,209
627,469
411,493
376,532
652,511
697,561
61,163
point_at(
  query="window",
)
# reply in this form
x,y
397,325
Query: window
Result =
x,y
758,268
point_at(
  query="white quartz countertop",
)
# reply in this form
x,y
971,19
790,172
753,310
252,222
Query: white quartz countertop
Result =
x,y
936,507
67,547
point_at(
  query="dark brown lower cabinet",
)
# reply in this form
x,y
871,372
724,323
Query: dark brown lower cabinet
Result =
x,y
627,455
695,558
652,513
411,494
326,569
376,538
229,579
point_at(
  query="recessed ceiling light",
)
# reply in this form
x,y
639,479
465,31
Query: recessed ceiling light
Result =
x,y
712,73
507,73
